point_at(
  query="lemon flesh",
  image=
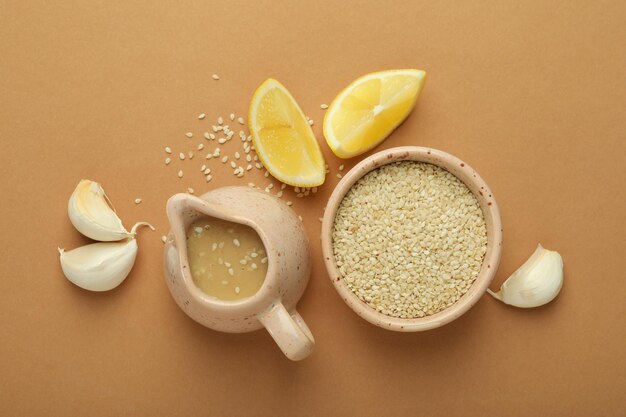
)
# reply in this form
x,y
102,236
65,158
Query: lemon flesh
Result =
x,y
369,109
283,138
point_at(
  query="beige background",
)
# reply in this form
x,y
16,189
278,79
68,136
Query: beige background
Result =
x,y
532,94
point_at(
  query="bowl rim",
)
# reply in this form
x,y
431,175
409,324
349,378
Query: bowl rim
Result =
x,y
491,214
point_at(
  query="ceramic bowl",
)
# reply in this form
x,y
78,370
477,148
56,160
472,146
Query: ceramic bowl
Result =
x,y
477,186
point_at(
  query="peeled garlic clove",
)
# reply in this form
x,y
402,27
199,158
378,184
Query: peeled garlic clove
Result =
x,y
99,266
92,214
537,282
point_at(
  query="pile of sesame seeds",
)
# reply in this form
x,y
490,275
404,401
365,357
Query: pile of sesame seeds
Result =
x,y
409,239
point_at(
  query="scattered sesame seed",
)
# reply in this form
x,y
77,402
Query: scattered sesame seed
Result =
x,y
231,272
200,146
289,203
236,242
311,122
259,166
203,167
214,246
253,266
254,254
266,175
181,156
264,260
227,264
167,161
198,230
220,120
237,290
190,190
225,159
240,120
283,186
189,134
201,116
190,154
237,155
163,238
324,106
180,173
217,152
138,201
341,167
256,157
279,194
168,149
209,156
339,176
299,195
249,167
314,190
209,178
215,77
232,116
207,135
233,164
222,141
296,189
251,184
207,171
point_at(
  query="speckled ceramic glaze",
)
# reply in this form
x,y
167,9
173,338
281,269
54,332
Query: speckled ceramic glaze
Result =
x,y
490,212
287,247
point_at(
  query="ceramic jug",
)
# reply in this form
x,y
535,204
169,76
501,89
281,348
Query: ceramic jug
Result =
x,y
273,306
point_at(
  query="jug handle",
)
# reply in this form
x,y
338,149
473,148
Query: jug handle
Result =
x,y
289,331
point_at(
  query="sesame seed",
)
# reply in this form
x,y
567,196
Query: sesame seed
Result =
x,y
251,184
253,266
314,190
237,155
163,238
323,106
217,152
220,120
240,120
207,135
283,186
341,167
233,164
311,122
339,176
207,171
198,230
215,77
254,254
279,194
300,195
180,173
227,264
201,116
181,156
264,260
289,203
138,201
249,167
214,246
167,161
209,178
189,134
296,189
405,268
236,242
203,167
225,159
237,290
259,166
209,156
190,190
200,146
190,154
266,175
222,141
231,272
168,149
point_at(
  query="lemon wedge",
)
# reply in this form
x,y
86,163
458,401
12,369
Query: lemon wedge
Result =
x,y
283,138
369,109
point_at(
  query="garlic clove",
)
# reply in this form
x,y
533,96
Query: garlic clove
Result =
x,y
537,282
92,214
99,266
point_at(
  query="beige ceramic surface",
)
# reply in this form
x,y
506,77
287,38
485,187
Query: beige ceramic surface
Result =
x,y
289,266
494,236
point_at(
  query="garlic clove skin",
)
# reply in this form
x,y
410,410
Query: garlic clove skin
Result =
x,y
92,214
99,266
537,282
